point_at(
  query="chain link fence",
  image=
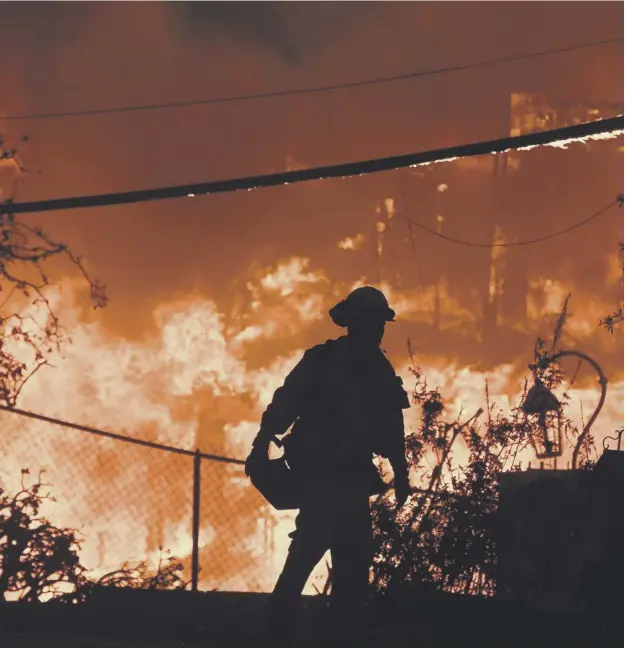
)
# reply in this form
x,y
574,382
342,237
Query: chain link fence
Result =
x,y
134,501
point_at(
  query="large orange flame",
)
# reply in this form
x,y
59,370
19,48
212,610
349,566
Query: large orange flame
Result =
x,y
192,385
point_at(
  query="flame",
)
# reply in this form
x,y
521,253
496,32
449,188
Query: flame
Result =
x,y
564,143
560,144
389,206
289,275
495,283
352,243
441,161
418,304
279,301
546,297
199,382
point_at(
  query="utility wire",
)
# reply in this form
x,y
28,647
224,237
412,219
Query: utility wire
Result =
x,y
558,137
309,90
538,239
119,437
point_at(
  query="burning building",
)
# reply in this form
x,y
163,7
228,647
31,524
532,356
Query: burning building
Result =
x,y
214,299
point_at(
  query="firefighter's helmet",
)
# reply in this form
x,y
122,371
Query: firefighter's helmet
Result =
x,y
365,301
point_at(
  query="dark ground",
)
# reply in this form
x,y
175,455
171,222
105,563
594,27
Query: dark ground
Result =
x,y
146,619
38,641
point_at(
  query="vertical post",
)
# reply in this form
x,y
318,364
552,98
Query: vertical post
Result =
x,y
195,557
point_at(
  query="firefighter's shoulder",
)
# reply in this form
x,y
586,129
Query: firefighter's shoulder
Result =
x,y
318,352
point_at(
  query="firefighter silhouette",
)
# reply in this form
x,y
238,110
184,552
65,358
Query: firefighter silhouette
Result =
x,y
345,404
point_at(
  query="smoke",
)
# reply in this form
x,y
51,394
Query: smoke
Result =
x,y
294,32
68,56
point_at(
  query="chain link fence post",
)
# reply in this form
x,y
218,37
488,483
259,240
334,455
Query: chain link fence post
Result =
x,y
195,567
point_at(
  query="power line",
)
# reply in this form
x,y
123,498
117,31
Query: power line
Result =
x,y
599,129
539,239
119,437
310,90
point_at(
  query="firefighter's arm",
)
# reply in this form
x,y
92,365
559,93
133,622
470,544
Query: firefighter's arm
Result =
x,y
288,400
395,442
396,446
396,455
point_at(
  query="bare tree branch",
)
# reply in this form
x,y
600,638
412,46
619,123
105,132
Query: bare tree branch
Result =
x,y
25,251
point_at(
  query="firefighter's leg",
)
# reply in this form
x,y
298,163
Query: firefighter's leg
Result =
x,y
308,546
352,553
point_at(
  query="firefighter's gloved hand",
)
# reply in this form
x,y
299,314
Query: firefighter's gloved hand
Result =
x,y
259,453
402,490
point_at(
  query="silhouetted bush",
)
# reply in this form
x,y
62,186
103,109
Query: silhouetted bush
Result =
x,y
444,539
40,561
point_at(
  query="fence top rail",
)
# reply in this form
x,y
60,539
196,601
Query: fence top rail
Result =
x,y
187,453
121,437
